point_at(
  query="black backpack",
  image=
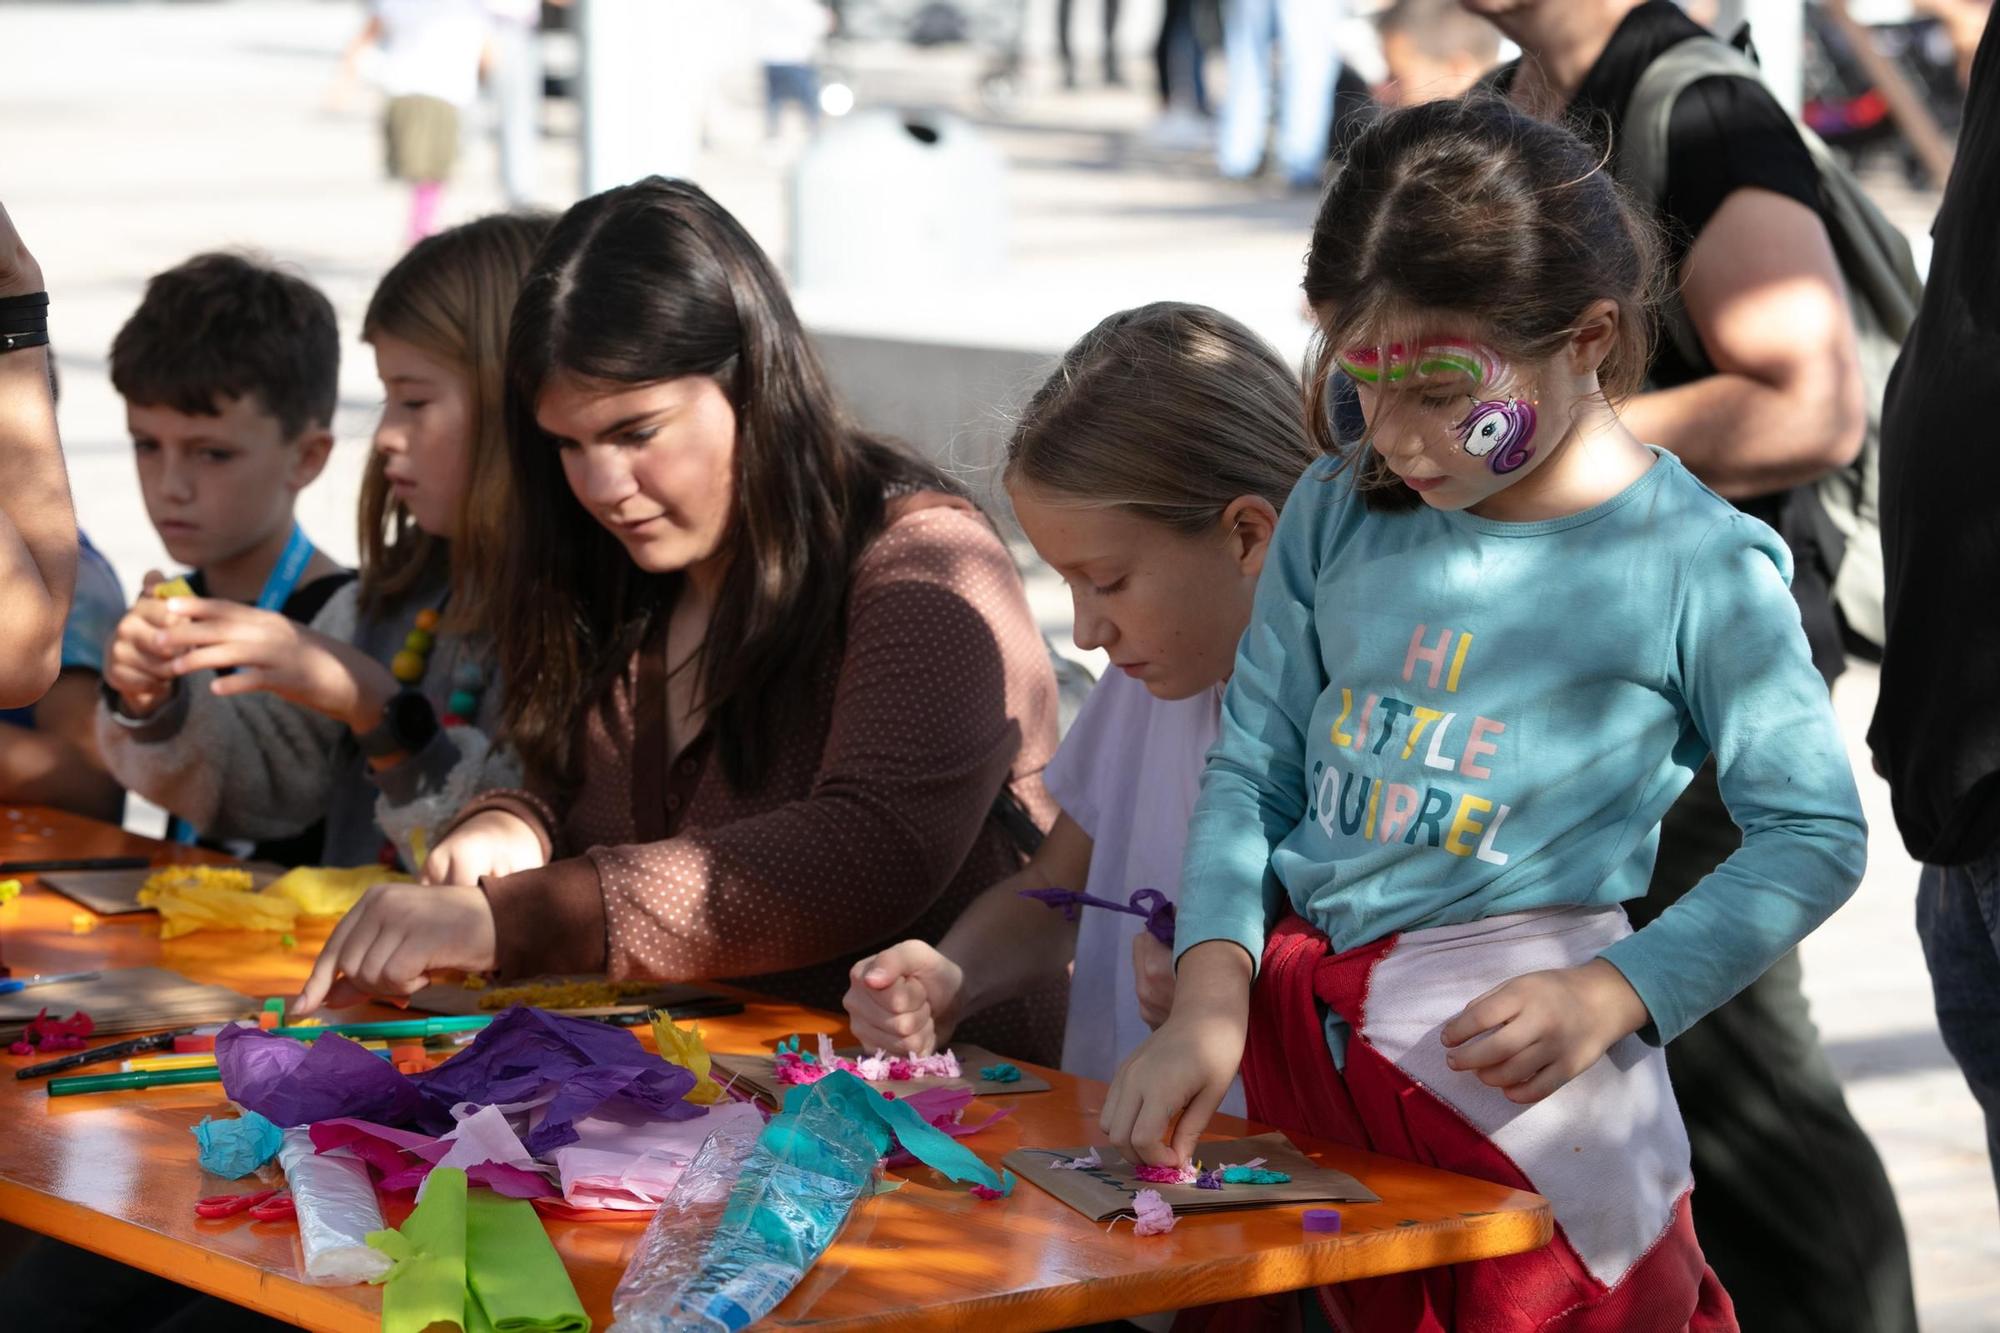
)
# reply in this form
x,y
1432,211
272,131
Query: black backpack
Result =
x,y
1883,294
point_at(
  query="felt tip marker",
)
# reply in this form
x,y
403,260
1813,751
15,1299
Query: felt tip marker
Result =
x,y
12,984
142,1078
398,1027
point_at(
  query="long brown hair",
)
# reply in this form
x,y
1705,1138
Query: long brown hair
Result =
x,y
452,296
655,281
1471,207
1169,411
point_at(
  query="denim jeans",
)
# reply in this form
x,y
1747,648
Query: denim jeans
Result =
x,y
798,84
517,93
1958,920
1303,32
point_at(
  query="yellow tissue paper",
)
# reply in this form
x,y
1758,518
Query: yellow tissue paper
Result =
x,y
191,898
684,1047
10,889
173,588
329,890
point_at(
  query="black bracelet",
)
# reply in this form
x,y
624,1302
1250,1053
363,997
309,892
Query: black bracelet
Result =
x,y
24,321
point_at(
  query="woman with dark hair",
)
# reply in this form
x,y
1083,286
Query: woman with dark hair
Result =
x,y
775,684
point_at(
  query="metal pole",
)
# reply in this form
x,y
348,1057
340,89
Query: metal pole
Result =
x,y
642,80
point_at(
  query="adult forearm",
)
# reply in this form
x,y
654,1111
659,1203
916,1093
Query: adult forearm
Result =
x,y
37,529
1745,437
40,768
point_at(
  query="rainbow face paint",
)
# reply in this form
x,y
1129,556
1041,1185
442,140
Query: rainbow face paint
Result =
x,y
1499,431
1433,358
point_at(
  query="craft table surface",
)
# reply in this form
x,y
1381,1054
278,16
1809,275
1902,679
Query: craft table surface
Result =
x,y
117,1173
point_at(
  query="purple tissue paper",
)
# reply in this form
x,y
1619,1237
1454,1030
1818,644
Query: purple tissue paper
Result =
x,y
297,1083
525,1050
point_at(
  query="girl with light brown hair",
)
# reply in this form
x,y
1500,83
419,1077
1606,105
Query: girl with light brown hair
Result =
x,y
377,716
1148,471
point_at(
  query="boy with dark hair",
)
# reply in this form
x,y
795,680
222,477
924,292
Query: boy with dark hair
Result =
x,y
229,371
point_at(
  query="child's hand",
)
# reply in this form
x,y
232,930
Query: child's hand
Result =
x,y
1153,969
134,666
1529,1036
904,999
394,937
492,842
1177,1077
265,650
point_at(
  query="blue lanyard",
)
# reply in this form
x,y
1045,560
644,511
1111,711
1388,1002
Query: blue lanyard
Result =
x,y
278,589
284,579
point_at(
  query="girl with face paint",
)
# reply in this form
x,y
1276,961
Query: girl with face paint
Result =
x,y
1495,637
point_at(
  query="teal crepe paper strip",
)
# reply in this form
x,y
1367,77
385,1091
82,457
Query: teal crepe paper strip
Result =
x,y
233,1149
1000,1074
888,1122
1253,1175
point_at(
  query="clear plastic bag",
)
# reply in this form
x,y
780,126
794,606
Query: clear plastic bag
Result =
x,y
746,1220
335,1198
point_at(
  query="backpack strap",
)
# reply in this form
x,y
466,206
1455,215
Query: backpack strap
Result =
x,y
1874,256
1639,159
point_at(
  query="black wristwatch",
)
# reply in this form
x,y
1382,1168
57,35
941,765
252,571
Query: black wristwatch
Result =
x,y
407,725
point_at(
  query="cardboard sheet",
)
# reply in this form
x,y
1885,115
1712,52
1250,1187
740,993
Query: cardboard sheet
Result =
x,y
131,999
1104,1192
116,892
451,998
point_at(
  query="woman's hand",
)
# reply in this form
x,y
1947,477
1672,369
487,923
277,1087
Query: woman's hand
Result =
x,y
394,938
1529,1036
267,651
1172,1084
134,664
1153,970
492,842
904,1000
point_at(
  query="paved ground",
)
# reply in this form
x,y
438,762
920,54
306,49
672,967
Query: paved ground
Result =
x,y
137,134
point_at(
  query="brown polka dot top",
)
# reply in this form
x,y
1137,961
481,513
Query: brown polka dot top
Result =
x,y
877,822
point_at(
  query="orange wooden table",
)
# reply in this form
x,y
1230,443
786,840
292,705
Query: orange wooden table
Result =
x,y
117,1173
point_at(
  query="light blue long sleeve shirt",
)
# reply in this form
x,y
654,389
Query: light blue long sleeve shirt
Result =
x,y
1437,718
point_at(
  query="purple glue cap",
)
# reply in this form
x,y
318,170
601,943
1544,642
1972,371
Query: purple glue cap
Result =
x,y
1322,1219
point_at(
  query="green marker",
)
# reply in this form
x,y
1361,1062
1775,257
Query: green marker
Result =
x,y
138,1078
395,1027
142,1078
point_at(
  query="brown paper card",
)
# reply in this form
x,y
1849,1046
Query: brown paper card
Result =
x,y
1104,1192
450,998
132,999
754,1071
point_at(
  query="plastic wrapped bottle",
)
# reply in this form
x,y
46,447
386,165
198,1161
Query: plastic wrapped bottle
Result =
x,y
746,1220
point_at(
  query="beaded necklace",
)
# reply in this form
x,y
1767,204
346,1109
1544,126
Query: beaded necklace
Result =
x,y
412,660
408,666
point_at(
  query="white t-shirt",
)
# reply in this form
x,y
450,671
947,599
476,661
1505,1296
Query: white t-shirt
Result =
x,y
1128,773
789,31
431,48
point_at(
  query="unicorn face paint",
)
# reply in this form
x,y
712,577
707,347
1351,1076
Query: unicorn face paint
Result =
x,y
1500,432
1449,416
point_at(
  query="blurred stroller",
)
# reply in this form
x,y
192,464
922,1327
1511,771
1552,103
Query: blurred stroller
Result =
x,y
1845,108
